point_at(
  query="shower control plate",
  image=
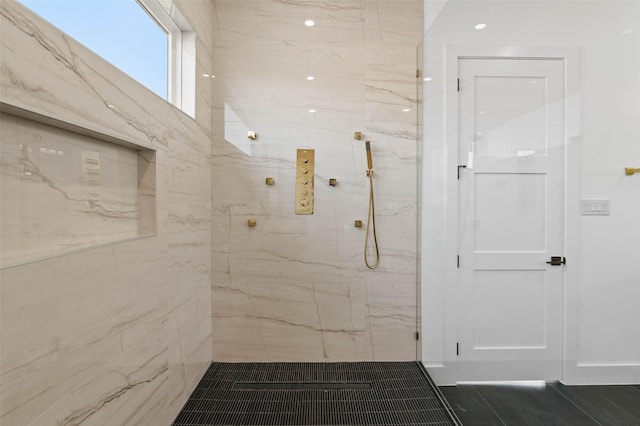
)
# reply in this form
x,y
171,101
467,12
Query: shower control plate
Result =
x,y
305,170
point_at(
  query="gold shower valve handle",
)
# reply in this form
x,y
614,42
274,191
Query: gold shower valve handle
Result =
x,y
305,166
630,171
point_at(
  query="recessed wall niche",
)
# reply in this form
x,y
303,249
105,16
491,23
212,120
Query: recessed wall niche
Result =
x,y
66,188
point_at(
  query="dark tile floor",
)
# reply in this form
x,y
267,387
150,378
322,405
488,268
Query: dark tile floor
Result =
x,y
551,404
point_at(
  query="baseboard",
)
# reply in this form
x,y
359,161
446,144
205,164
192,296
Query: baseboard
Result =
x,y
587,373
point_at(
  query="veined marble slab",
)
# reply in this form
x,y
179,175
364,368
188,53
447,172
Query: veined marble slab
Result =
x,y
63,191
121,333
295,288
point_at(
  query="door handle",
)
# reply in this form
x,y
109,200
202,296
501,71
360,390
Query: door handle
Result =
x,y
557,260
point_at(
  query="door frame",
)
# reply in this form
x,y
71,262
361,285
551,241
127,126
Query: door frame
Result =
x,y
445,372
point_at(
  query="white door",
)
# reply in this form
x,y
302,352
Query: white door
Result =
x,y
511,140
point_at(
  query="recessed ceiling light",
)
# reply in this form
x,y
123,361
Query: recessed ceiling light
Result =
x,y
406,109
312,110
427,79
206,75
310,77
309,23
480,26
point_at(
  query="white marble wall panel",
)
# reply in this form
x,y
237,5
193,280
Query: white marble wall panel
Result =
x,y
295,288
339,21
118,334
89,188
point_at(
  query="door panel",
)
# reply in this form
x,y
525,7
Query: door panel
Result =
x,y
519,324
510,212
511,140
513,124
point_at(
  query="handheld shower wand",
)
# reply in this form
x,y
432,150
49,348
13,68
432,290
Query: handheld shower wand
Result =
x,y
371,219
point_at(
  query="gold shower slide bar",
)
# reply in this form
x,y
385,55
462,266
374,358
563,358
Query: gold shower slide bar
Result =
x,y
631,171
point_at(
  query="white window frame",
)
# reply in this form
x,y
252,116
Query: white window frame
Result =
x,y
181,53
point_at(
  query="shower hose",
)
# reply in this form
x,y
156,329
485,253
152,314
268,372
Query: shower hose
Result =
x,y
371,222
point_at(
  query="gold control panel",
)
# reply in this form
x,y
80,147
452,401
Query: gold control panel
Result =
x,y
305,170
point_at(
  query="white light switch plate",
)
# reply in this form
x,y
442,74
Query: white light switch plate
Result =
x,y
594,207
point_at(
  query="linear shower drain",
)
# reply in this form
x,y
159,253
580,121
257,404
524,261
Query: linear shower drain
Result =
x,y
301,385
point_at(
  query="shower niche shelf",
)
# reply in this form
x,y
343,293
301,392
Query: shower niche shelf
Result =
x,y
66,188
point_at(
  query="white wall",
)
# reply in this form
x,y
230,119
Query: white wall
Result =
x,y
602,275
119,333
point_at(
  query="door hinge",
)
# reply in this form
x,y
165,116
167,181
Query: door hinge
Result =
x,y
458,85
417,335
461,166
417,72
458,262
457,349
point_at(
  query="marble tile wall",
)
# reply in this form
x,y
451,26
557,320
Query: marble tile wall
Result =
x,y
120,333
86,184
295,288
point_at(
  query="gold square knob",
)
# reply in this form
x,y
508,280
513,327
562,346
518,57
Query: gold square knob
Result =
x,y
270,181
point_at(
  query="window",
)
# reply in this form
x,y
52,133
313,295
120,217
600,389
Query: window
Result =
x,y
182,53
149,41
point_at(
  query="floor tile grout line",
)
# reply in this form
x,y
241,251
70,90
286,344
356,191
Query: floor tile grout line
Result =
x,y
575,404
489,405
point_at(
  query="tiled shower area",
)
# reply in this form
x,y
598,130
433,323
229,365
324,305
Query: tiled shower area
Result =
x,y
295,287
127,261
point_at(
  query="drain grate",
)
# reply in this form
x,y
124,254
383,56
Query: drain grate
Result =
x,y
299,385
361,393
